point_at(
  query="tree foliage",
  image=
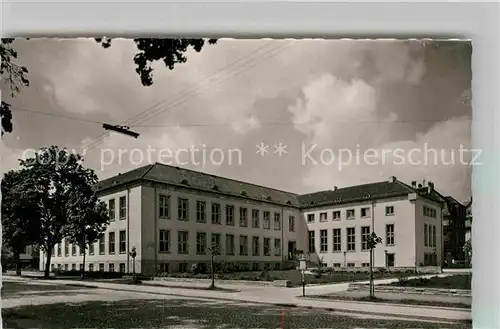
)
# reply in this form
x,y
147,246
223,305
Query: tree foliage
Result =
x,y
54,181
169,50
15,77
19,215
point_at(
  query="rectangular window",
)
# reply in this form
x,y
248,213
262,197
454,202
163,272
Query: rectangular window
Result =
x,y
111,209
201,243
426,236
66,248
311,242
350,214
277,221
434,236
123,242
163,268
310,218
365,212
255,246
183,209
80,266
102,244
164,242
91,249
164,206
73,249
365,234
323,238
91,268
351,239
201,215
291,224
267,220
182,242
230,215
337,240
277,247
59,250
123,207
267,247
73,267
101,267
351,265
183,267
122,267
111,267
229,244
337,265
215,244
429,212
389,210
216,218
389,234
336,215
243,217
365,264
111,242
255,218
323,217
243,245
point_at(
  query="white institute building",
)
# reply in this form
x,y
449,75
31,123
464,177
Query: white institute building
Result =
x,y
172,216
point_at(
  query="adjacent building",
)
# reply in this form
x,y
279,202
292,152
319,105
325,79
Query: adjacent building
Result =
x,y
176,217
468,222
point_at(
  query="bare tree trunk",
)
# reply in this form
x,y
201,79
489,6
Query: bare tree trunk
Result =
x,y
372,288
17,261
47,263
83,265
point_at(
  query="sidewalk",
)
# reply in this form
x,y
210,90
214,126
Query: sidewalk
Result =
x,y
284,297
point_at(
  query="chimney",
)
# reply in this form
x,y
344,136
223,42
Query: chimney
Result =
x,y
430,187
414,184
392,179
419,185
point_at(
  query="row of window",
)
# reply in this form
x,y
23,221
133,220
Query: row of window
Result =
x,y
164,212
100,267
429,235
349,214
122,209
122,245
215,246
429,212
336,244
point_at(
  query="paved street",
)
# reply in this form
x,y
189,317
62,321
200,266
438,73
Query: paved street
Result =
x,y
33,304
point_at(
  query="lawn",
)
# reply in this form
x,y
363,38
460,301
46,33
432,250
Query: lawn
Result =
x,y
405,301
294,276
460,281
180,313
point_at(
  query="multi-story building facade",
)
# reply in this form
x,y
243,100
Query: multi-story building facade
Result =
x,y
408,220
454,222
174,217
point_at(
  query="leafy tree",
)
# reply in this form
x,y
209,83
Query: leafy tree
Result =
x,y
372,242
51,178
170,51
87,219
15,77
19,215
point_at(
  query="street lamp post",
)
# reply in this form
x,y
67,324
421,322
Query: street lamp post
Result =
x,y
214,250
133,254
302,269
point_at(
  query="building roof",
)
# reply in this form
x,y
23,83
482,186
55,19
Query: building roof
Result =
x,y
202,181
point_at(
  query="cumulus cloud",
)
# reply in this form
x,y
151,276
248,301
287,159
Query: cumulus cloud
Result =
x,y
336,94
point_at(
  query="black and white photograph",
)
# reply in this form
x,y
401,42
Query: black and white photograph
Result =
x,y
236,183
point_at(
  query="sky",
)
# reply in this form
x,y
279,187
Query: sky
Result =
x,y
322,113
